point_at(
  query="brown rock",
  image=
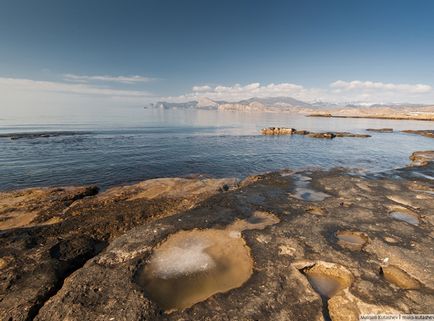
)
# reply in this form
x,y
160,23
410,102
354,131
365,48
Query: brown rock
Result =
x,y
277,131
422,158
425,133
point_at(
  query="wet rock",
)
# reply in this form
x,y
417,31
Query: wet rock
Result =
x,y
305,192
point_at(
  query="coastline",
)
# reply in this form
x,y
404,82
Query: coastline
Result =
x,y
79,248
430,118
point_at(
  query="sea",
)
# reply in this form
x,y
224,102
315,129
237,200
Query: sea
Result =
x,y
138,144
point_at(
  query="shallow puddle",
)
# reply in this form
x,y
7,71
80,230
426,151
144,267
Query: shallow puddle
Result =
x,y
258,221
399,277
324,285
328,279
406,217
193,265
304,192
351,240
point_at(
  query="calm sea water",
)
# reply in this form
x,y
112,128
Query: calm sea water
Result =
x,y
141,144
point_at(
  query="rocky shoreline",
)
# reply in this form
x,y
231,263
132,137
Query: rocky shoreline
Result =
x,y
324,245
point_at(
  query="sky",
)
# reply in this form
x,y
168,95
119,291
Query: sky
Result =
x,y
60,55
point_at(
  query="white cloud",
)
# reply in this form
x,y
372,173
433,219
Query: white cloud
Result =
x,y
107,78
21,84
380,86
201,88
239,92
337,92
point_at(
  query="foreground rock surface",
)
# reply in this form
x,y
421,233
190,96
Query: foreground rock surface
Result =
x,y
84,267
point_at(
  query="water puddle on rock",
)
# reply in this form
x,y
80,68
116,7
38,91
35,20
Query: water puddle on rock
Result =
x,y
304,192
402,214
328,280
190,266
399,277
193,265
351,240
258,221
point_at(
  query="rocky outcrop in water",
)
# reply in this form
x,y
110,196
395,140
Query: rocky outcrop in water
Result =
x,y
292,131
421,158
425,133
323,245
278,131
380,130
34,135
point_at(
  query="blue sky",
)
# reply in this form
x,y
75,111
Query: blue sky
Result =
x,y
135,51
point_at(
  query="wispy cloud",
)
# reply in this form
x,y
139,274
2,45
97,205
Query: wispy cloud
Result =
x,y
23,84
107,78
380,86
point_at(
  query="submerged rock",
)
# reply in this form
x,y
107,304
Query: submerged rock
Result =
x,y
380,130
34,135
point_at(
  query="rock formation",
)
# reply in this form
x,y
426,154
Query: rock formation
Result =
x,y
80,254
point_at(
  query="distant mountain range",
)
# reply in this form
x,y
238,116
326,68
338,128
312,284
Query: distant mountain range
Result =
x,y
288,104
